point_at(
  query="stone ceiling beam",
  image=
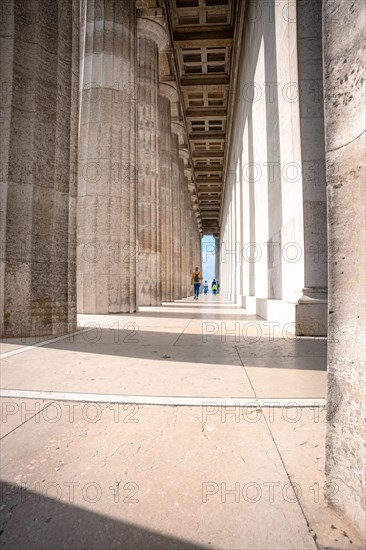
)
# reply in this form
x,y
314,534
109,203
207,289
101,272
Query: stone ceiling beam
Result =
x,y
207,136
205,80
217,168
207,154
207,113
203,39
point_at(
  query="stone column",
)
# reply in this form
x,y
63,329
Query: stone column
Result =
x,y
345,160
168,95
178,131
180,228
186,241
185,224
195,242
107,159
175,205
311,310
189,244
217,259
152,38
39,59
183,229
165,199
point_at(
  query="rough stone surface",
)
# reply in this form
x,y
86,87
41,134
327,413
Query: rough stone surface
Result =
x,y
177,292
345,153
39,58
107,159
165,168
149,236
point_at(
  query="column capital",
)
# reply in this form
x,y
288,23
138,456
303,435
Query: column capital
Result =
x,y
178,128
168,89
184,153
151,24
188,172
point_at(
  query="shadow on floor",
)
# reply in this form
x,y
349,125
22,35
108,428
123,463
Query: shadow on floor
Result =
x,y
219,348
37,523
207,314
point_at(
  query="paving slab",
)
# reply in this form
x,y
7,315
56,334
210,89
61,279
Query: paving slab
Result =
x,y
162,477
86,474
299,435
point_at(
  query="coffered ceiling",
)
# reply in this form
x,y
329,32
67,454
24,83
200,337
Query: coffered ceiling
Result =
x,y
202,60
202,34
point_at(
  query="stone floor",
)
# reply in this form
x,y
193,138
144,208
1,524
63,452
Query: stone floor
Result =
x,y
192,425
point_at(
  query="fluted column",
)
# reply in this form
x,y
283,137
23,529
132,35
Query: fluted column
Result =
x,y
183,229
189,243
39,114
217,259
168,96
175,205
180,228
107,159
152,38
166,220
184,156
192,223
148,174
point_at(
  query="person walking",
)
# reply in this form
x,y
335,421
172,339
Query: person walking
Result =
x,y
214,286
205,287
196,282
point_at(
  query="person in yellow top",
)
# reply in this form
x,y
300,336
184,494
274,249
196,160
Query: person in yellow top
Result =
x,y
196,282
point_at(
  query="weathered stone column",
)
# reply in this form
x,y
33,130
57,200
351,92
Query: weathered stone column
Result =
x,y
184,206
152,37
189,244
182,221
39,112
180,198
311,310
217,259
193,240
345,155
107,159
168,95
175,205
166,221
185,241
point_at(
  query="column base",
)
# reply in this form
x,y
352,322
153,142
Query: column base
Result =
x,y
308,315
38,334
312,312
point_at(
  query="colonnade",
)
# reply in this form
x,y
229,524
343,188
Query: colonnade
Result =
x,y
99,209
143,233
98,197
39,116
273,240
293,216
